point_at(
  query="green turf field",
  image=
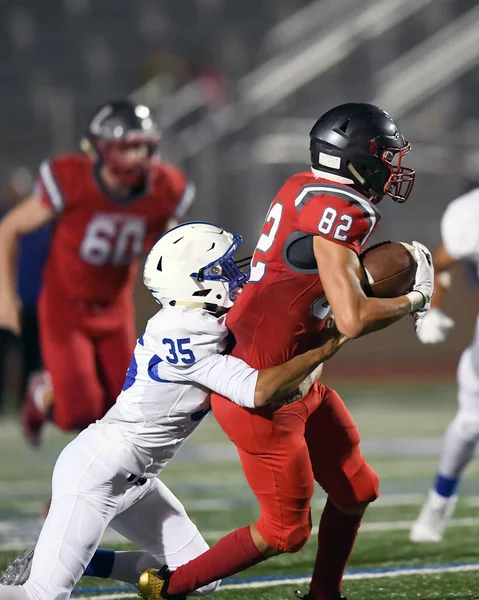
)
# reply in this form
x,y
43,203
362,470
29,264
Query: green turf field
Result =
x,y
401,428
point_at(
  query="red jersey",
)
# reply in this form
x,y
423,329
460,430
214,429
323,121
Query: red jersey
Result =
x,y
98,238
281,311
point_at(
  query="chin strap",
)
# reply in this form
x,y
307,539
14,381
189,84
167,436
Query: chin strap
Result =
x,y
189,304
331,176
209,306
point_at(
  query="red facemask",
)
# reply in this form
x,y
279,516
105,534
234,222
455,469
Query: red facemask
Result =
x,y
401,181
129,169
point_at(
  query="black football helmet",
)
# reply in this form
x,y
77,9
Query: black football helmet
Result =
x,y
362,143
117,125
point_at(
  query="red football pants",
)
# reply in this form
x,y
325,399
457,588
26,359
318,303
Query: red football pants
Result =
x,y
283,451
87,351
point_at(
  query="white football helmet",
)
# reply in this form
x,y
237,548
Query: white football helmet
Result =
x,y
193,263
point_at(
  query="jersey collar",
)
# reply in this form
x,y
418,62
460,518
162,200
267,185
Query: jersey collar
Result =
x,y
136,193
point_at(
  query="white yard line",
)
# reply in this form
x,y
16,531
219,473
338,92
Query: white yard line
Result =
x,y
300,580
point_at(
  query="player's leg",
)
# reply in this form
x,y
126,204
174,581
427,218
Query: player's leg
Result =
x,y
83,503
158,524
351,484
38,398
276,463
78,396
36,391
458,450
75,397
114,353
32,357
8,342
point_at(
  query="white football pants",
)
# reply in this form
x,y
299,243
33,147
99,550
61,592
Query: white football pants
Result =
x,y
89,492
462,435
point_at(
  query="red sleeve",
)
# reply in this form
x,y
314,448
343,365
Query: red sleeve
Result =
x,y
183,191
337,214
52,183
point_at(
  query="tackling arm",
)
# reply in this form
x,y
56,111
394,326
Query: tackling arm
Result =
x,y
278,384
26,217
200,362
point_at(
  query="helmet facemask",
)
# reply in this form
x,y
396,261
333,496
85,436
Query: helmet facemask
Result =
x,y
233,273
401,181
381,173
129,171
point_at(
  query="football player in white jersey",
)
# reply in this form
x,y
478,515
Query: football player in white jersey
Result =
x,y
107,475
460,242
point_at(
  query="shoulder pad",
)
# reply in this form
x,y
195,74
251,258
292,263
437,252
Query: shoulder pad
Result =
x,y
205,335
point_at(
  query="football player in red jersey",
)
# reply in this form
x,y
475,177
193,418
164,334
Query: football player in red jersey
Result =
x,y
109,207
306,263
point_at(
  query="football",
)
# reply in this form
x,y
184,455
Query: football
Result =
x,y
389,269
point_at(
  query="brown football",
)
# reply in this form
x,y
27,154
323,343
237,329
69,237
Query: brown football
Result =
x,y
390,269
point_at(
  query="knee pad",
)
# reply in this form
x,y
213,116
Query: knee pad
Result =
x,y
295,538
365,484
466,425
468,379
287,538
358,487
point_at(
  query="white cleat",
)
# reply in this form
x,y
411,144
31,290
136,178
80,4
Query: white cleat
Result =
x,y
18,571
433,518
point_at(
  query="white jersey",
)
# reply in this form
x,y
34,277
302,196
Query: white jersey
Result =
x,y
460,228
176,362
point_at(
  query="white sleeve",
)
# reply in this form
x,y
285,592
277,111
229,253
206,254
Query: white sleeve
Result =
x,y
189,344
229,376
459,234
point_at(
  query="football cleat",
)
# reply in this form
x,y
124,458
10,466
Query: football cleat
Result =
x,y
433,518
18,571
153,585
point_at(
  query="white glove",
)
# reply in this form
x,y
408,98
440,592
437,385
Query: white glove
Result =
x,y
423,289
434,327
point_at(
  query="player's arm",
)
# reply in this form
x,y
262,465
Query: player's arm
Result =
x,y
341,221
233,378
191,353
184,193
278,384
24,218
354,312
460,240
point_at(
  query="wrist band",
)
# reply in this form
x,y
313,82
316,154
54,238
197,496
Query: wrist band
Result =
x,y
417,300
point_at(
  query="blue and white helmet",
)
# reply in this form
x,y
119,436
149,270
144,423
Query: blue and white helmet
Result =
x,y
193,263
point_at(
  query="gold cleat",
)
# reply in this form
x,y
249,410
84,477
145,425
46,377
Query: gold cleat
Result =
x,y
150,584
153,584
